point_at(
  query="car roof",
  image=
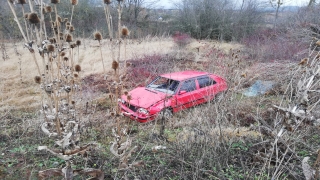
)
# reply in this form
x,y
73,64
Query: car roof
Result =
x,y
183,75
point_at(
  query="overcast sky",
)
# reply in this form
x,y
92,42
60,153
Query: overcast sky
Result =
x,y
169,3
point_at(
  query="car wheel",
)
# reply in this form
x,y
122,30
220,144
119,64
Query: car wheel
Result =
x,y
166,113
218,97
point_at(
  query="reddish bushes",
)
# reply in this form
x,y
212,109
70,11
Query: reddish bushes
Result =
x,y
269,45
181,39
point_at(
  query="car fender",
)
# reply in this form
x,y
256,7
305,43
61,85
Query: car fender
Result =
x,y
157,107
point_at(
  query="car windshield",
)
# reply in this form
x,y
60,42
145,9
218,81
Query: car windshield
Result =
x,y
164,85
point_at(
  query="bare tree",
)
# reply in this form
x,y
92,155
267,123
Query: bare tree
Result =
x,y
311,3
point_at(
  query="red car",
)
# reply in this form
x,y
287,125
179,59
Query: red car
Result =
x,y
170,93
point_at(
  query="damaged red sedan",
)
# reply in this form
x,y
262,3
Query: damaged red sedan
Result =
x,y
170,93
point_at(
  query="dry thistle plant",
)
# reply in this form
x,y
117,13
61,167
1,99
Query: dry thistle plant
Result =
x,y
61,117
299,109
98,36
122,142
4,52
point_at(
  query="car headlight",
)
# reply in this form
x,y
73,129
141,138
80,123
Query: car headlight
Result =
x,y
121,100
143,111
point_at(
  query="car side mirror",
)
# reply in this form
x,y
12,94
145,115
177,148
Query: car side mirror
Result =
x,y
182,92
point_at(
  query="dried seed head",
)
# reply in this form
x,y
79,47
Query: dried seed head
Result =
x,y
74,2
107,1
51,59
68,37
125,31
21,2
62,54
128,64
55,1
73,102
33,18
97,36
303,61
65,20
78,42
37,79
67,27
48,9
65,58
115,65
59,19
126,93
244,75
60,34
26,15
52,40
76,75
68,23
71,28
129,98
73,45
56,23
50,47
77,68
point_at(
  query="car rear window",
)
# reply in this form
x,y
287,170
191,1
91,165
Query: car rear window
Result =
x,y
205,81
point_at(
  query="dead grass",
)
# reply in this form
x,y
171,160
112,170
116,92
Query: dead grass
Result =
x,y
25,94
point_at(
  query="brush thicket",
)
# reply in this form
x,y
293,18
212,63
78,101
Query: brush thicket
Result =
x,y
60,88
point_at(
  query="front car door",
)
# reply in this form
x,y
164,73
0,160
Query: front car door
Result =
x,y
186,95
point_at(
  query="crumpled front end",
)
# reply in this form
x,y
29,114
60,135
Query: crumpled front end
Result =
x,y
134,112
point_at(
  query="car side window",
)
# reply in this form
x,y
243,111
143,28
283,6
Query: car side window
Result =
x,y
189,85
205,81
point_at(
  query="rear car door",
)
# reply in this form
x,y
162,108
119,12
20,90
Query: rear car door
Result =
x,y
207,88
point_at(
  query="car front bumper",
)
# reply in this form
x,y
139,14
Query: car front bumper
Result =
x,y
142,118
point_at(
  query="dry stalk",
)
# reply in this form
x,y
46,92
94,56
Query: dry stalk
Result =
x,y
17,20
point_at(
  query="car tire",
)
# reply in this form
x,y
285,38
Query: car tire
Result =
x,y
166,113
218,97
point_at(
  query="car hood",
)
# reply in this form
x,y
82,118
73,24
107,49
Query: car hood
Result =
x,y
144,98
